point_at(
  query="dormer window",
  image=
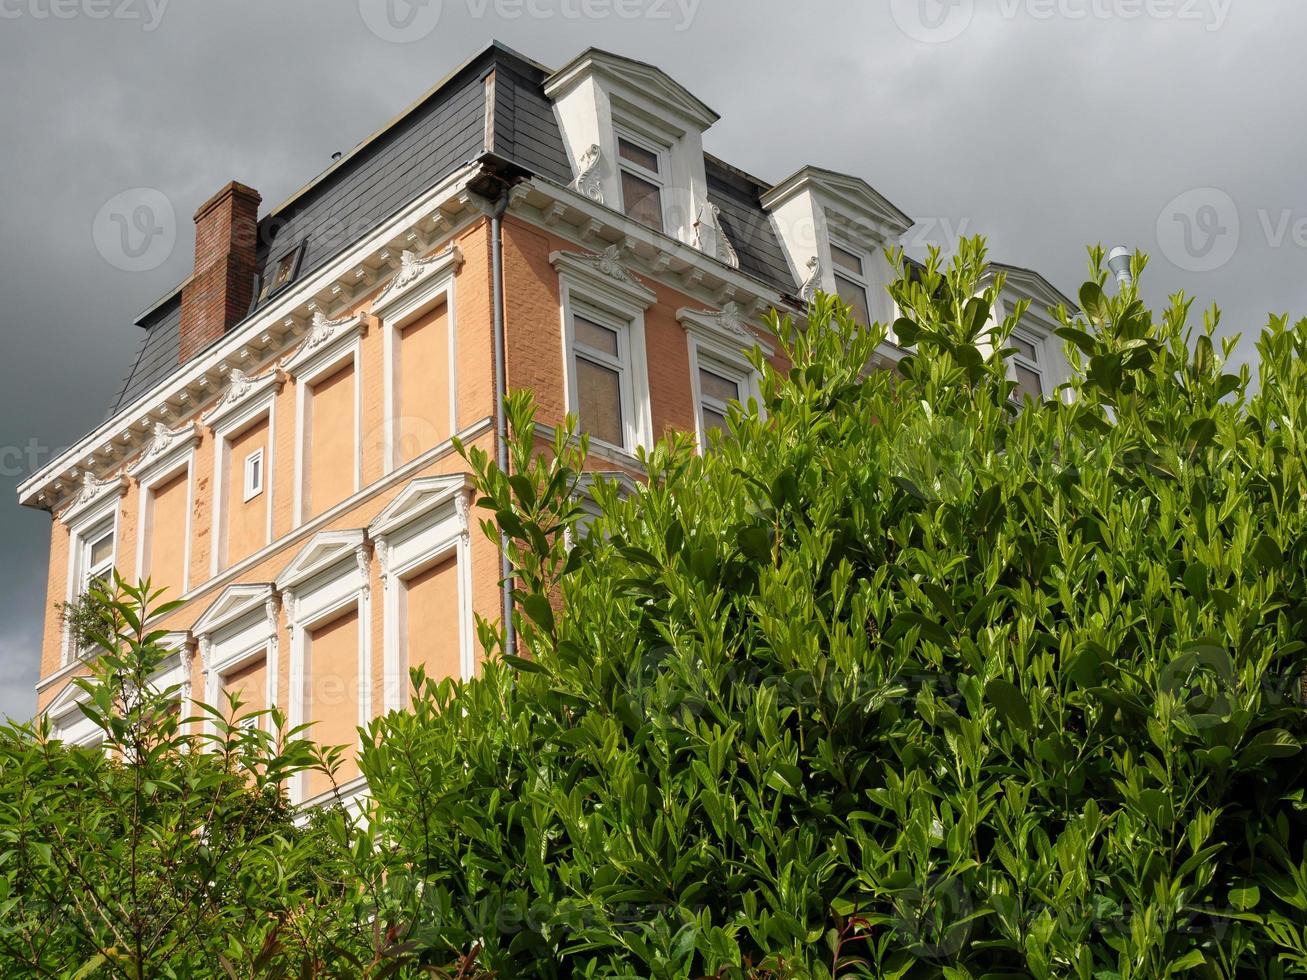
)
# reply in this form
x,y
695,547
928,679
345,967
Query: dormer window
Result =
x,y
279,276
1027,371
642,181
851,280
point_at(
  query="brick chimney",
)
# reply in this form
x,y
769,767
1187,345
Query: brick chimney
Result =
x,y
221,289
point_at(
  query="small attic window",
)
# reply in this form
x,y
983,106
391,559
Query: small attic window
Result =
x,y
281,273
642,182
851,280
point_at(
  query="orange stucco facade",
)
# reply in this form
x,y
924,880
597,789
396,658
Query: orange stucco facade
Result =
x,y
340,448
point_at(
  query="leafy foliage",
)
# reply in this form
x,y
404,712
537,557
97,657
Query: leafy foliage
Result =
x,y
900,680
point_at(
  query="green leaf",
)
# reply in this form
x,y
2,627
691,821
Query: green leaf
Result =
x,y
1245,898
1011,705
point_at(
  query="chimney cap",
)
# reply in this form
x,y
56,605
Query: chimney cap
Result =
x,y
232,189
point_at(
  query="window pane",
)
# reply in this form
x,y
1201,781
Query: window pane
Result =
x,y
856,296
594,336
713,385
101,551
713,420
599,401
1024,348
642,200
637,154
846,260
1028,383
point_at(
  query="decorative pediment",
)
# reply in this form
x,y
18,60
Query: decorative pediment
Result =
x,y
327,548
722,250
589,174
235,602
242,390
728,327
648,82
1030,285
324,338
91,493
850,199
414,272
603,273
166,449
419,498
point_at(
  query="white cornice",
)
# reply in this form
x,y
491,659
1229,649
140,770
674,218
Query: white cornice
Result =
x,y
261,336
605,275
408,288
325,339
241,390
570,215
168,448
92,493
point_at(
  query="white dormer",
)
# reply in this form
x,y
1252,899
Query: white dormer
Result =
x,y
834,229
1038,364
635,140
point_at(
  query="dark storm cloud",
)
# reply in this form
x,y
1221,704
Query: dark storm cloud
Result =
x,y
1044,124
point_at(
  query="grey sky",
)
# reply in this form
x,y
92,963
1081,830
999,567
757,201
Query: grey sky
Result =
x,y
1043,124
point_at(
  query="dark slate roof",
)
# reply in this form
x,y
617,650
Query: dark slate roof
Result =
x,y
747,225
158,356
442,131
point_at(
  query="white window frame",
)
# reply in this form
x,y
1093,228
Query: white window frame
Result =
x,y
718,341
658,180
599,288
857,279
170,454
240,626
246,403
317,359
254,473
88,529
1038,365
421,285
70,725
428,523
329,576
743,376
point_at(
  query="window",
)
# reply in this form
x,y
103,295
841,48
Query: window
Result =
x,y
97,555
281,273
1027,371
254,474
851,281
601,360
642,182
717,389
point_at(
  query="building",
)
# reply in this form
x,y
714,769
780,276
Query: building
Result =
x,y
280,455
